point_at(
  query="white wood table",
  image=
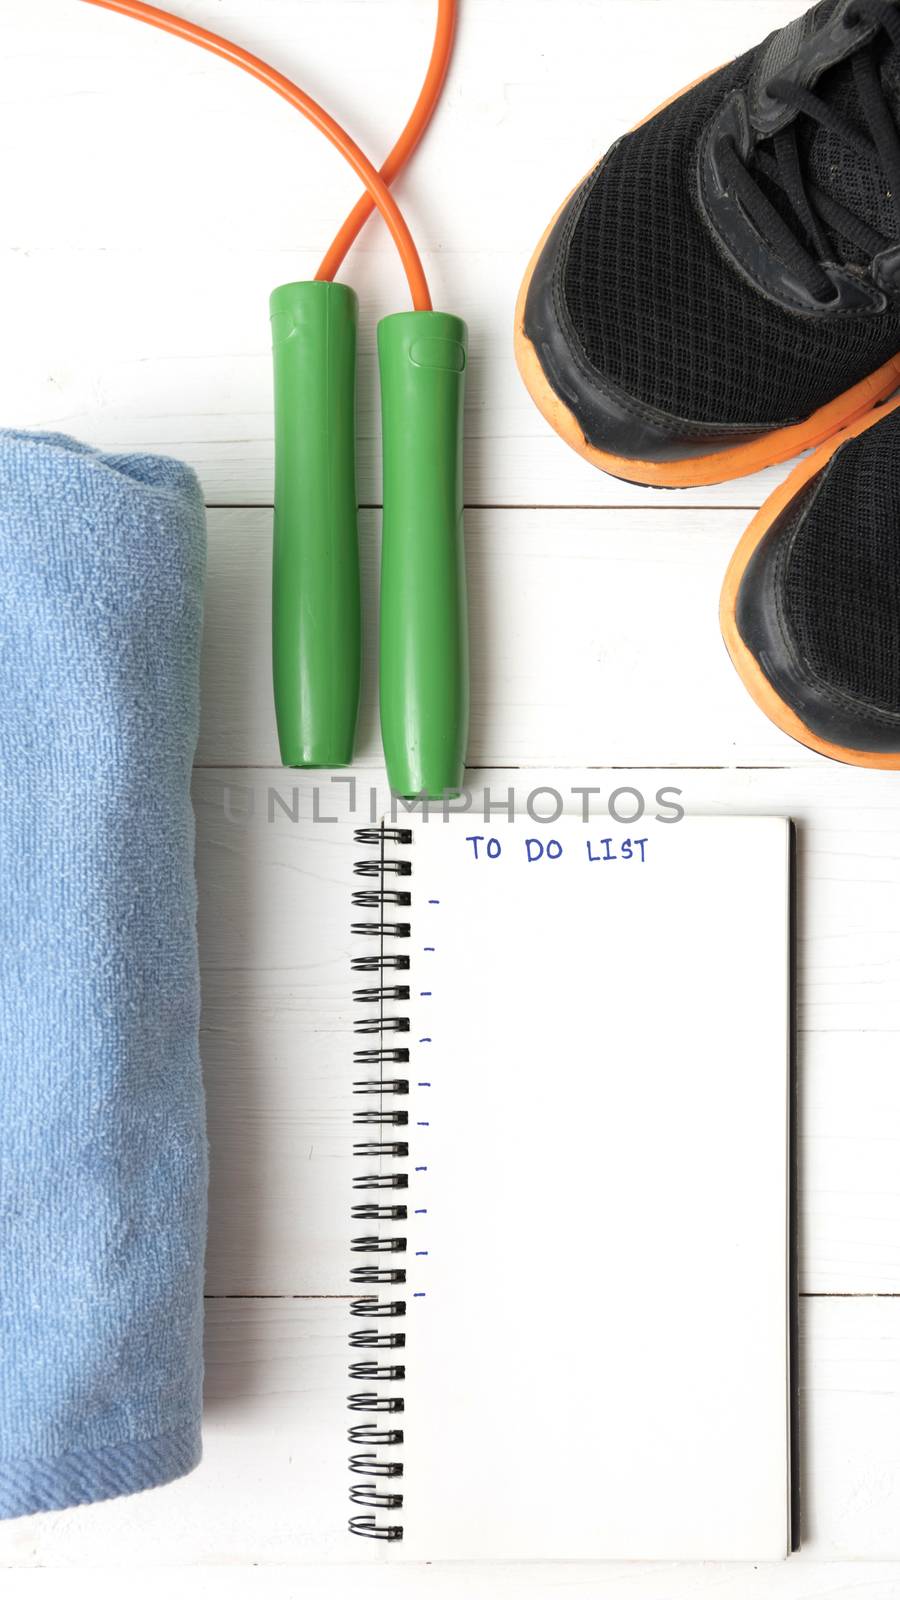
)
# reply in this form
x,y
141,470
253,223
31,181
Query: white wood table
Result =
x,y
151,199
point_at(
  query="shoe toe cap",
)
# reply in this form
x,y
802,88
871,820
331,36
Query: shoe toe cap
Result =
x,y
611,420
804,652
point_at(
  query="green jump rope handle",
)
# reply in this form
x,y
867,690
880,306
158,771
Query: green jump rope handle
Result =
x,y
424,635
315,565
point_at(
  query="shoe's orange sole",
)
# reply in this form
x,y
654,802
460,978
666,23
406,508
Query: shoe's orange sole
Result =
x,y
719,467
748,668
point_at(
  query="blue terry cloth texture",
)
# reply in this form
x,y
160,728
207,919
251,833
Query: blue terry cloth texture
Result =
x,y
102,1129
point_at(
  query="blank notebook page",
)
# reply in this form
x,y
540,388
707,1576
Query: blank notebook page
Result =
x,y
597,1328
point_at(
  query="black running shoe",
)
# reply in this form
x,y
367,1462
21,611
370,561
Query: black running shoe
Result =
x,y
723,290
811,604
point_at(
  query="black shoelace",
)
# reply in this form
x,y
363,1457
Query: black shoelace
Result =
x,y
804,249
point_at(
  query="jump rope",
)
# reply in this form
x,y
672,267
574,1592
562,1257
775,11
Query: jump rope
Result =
x,y
316,620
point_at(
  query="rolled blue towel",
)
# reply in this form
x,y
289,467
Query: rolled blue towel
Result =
x,y
102,1137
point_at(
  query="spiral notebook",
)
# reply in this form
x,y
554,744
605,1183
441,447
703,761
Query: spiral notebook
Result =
x,y
572,1262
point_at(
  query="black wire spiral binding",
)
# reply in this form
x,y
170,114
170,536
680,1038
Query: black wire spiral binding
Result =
x,y
385,1147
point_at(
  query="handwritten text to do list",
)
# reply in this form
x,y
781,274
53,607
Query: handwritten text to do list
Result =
x,y
488,847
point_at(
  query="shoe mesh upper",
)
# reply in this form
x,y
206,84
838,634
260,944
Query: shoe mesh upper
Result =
x,y
841,585
659,310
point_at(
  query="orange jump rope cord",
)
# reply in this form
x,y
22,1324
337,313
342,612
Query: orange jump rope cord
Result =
x,y
419,118
310,109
